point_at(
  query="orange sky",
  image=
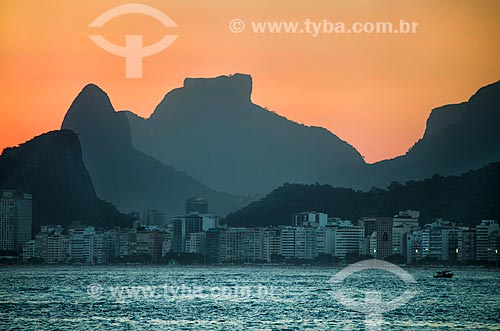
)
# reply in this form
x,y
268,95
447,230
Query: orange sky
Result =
x,y
375,91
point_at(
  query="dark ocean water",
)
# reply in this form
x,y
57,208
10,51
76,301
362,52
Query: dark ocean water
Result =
x,y
238,298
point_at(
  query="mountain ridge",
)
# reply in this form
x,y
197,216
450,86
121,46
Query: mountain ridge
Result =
x,y
466,199
211,130
458,138
51,168
246,149
130,179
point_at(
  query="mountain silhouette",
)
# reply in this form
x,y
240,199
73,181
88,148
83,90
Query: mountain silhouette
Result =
x,y
457,138
209,135
50,167
210,129
465,199
126,177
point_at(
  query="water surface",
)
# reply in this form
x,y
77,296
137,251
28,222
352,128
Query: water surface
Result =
x,y
159,298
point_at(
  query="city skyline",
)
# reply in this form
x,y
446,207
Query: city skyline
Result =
x,y
310,236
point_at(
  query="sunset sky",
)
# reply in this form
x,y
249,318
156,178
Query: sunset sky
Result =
x,y
373,90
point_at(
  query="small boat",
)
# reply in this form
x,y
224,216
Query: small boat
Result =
x,y
443,274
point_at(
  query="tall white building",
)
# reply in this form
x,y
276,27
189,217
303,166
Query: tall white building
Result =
x,y
440,241
85,245
432,243
414,248
402,223
298,242
305,243
271,244
287,242
195,243
57,248
126,242
449,237
325,240
242,244
483,232
347,239
15,220
466,244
